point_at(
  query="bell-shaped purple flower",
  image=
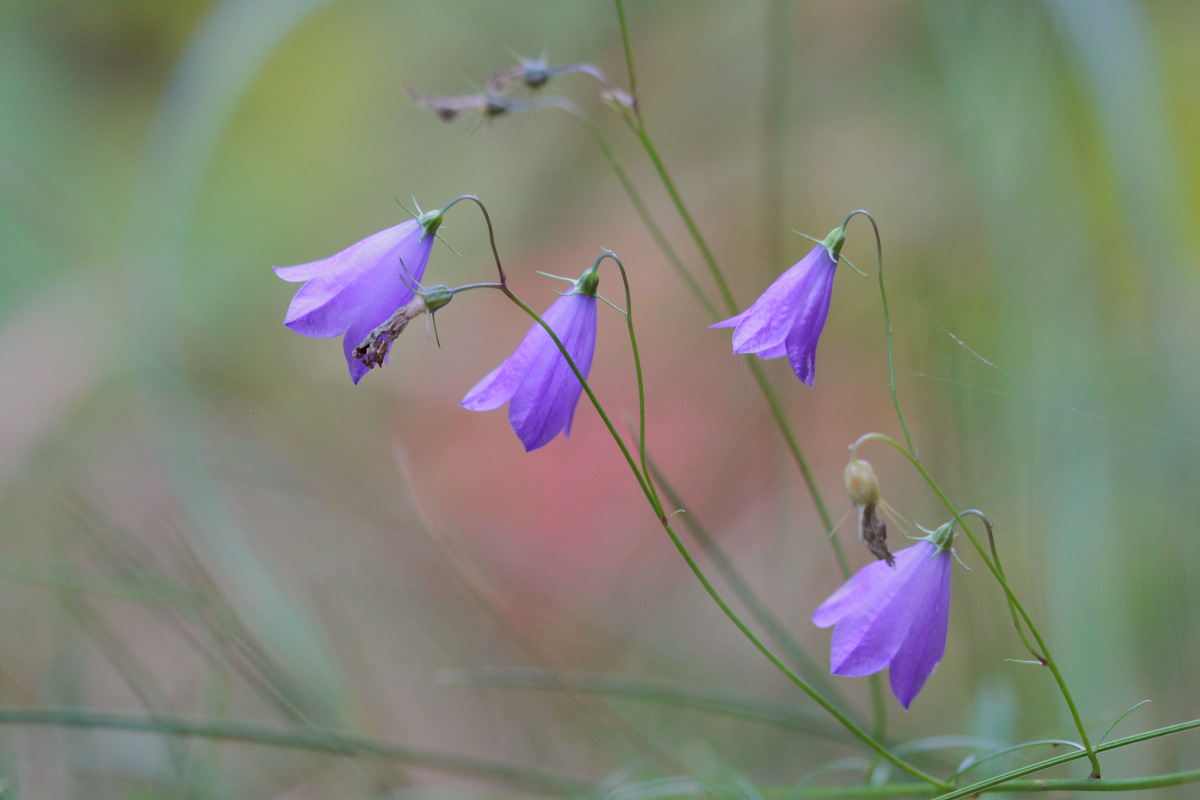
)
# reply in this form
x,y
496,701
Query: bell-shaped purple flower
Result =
x,y
536,381
787,319
358,289
893,616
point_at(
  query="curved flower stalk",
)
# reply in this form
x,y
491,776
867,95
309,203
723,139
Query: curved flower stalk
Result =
x,y
893,616
787,319
536,381
359,289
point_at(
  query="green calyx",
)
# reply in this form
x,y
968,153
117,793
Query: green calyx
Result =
x,y
834,241
430,221
436,296
588,283
942,538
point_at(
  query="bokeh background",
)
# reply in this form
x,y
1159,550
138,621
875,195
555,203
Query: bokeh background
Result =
x,y
202,517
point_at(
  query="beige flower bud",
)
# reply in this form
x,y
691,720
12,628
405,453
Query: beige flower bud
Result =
x,y
861,483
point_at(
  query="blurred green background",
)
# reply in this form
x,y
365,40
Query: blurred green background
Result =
x,y
200,515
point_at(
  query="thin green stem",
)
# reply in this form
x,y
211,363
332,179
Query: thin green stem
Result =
x,y
480,588
647,487
641,381
879,706
643,212
643,482
892,790
1012,610
745,593
776,125
1104,785
642,479
793,445
311,738
1007,779
491,230
887,325
637,125
804,686
685,216
628,52
1048,659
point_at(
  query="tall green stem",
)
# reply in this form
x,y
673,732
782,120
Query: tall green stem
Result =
x,y
641,383
887,326
744,591
829,708
637,124
643,212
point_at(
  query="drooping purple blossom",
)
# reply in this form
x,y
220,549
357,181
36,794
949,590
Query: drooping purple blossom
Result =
x,y
536,381
358,289
893,616
787,319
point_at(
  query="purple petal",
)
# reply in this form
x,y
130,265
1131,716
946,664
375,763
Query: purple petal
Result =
x,y
806,330
362,295
732,322
497,387
926,642
790,300
852,594
366,251
545,401
378,300
535,380
867,637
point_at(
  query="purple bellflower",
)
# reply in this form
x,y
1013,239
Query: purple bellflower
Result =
x,y
893,616
788,317
535,381
358,289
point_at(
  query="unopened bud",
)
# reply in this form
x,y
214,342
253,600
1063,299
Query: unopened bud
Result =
x,y
861,483
873,533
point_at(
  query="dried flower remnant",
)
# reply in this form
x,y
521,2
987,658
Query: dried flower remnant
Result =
x,y
448,108
787,319
873,532
492,102
611,92
893,616
373,350
536,381
863,488
355,291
